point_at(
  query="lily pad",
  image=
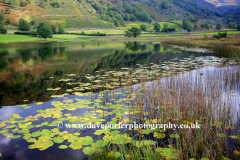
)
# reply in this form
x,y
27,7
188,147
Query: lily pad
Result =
x,y
174,135
89,150
58,139
17,136
63,147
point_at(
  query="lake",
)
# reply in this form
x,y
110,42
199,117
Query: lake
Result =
x,y
47,86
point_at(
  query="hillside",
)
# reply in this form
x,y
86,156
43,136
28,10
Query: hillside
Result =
x,y
113,13
220,3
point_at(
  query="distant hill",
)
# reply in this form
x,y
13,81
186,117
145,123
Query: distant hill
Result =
x,y
115,13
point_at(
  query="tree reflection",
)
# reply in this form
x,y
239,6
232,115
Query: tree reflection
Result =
x,y
3,64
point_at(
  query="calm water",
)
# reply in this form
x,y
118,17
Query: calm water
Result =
x,y
30,73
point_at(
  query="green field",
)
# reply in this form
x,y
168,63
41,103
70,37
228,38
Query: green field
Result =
x,y
16,38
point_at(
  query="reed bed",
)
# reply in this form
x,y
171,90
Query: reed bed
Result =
x,y
205,96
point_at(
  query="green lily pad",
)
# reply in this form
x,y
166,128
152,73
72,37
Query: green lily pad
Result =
x,y
24,130
137,143
27,137
58,139
101,131
63,147
174,135
36,134
75,145
89,150
17,136
86,140
169,153
4,131
148,142
159,135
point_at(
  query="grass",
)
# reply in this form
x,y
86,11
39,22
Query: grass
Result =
x,y
131,24
16,38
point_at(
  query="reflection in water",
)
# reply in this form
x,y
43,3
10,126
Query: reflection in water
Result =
x,y
25,70
3,64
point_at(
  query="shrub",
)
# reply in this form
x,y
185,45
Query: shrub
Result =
x,y
33,33
143,27
238,27
3,31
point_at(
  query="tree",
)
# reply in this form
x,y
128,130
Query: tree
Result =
x,y
24,25
238,27
164,5
61,28
219,26
119,16
195,27
40,28
126,17
13,3
8,21
3,31
47,32
187,25
165,26
132,18
143,27
232,25
2,17
23,3
157,27
133,32
116,23
54,29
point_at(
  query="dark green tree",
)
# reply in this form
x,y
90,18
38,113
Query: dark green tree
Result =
x,y
61,28
133,32
195,27
219,26
126,17
116,23
54,29
2,17
232,25
3,31
238,27
164,5
143,27
47,32
157,27
40,28
24,25
8,21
